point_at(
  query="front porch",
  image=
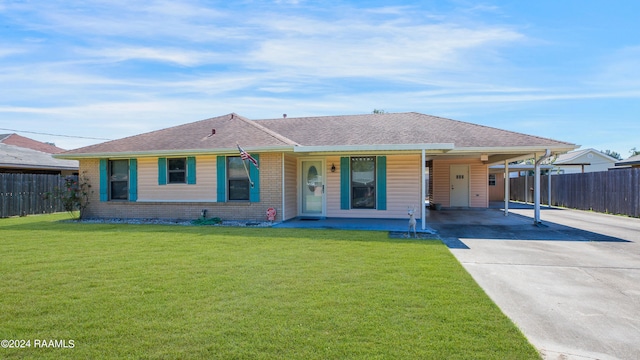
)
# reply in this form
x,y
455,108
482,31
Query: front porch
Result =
x,y
435,219
453,226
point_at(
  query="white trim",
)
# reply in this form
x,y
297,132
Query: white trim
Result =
x,y
373,147
423,192
175,201
167,153
282,211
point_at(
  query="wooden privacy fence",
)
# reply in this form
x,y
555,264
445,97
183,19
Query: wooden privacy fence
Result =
x,y
26,194
614,191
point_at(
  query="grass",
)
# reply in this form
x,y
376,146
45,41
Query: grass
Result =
x,y
174,292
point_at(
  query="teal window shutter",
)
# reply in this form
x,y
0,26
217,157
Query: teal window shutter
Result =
x,y
191,170
381,183
162,171
133,179
254,174
221,168
104,180
345,183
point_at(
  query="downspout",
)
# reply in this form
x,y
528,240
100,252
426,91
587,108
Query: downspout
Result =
x,y
536,188
284,204
423,193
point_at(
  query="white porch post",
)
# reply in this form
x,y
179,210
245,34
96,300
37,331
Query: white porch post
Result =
x,y
526,187
549,190
506,188
423,193
536,190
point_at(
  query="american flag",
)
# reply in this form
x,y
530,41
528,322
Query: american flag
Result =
x,y
245,156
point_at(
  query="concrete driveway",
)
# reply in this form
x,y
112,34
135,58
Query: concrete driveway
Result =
x,y
572,286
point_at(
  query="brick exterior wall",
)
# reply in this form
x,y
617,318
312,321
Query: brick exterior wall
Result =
x,y
270,196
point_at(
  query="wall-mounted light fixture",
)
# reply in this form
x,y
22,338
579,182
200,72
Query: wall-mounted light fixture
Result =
x,y
333,167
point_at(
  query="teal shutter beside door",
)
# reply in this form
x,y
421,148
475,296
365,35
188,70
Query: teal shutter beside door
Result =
x,y
162,171
191,170
221,169
345,183
133,179
381,183
254,174
104,180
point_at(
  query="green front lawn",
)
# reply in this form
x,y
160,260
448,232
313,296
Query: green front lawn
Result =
x,y
176,292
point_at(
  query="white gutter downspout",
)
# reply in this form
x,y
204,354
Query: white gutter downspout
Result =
x,y
506,187
282,216
423,193
536,188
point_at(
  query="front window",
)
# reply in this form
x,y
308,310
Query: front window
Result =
x,y
237,179
118,179
177,170
363,182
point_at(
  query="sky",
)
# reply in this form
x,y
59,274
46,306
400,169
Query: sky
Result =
x,y
76,73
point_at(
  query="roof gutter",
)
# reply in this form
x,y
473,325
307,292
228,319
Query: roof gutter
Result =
x,y
156,153
437,147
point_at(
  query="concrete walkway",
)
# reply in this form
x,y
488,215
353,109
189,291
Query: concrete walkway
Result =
x,y
571,286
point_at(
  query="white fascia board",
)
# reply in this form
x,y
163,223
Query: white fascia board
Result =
x,y
378,147
514,149
157,153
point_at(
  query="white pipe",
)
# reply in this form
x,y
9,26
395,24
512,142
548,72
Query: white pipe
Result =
x,y
506,188
423,195
283,189
549,188
536,188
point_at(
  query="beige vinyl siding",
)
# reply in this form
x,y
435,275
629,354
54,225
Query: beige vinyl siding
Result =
x,y
478,181
290,187
478,185
403,188
203,190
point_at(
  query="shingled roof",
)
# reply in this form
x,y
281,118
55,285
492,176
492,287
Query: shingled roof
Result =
x,y
374,131
15,157
219,133
397,128
24,142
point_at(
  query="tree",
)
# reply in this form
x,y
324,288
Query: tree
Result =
x,y
378,111
634,152
613,154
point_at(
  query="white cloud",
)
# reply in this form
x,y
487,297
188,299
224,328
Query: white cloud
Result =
x,y
176,56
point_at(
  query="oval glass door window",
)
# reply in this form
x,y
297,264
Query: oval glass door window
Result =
x,y
312,178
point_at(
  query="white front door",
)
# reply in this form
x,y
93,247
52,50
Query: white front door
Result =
x,y
312,188
459,181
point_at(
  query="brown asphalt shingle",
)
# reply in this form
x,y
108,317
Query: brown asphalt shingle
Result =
x,y
368,129
229,130
397,128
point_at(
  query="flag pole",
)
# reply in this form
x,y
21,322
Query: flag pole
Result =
x,y
245,168
247,171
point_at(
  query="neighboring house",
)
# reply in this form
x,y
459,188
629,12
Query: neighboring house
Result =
x,y
583,161
633,161
19,154
357,166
